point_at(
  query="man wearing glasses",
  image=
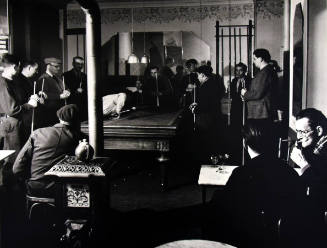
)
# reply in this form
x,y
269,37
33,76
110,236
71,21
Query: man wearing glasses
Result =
x,y
75,80
310,150
53,93
310,154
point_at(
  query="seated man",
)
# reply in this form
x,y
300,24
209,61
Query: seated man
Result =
x,y
256,195
310,154
44,148
113,104
310,150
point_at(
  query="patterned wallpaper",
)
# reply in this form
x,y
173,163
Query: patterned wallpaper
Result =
x,y
268,9
265,9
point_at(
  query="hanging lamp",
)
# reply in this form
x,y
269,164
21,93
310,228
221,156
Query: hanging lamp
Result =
x,y
132,58
145,59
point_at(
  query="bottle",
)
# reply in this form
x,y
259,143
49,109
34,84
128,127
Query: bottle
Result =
x,y
84,151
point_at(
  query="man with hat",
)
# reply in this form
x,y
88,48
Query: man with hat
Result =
x,y
52,91
44,148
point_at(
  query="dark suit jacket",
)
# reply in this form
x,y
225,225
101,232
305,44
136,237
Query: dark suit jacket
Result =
x,y
207,113
237,103
256,196
44,148
45,114
260,96
166,99
73,82
13,104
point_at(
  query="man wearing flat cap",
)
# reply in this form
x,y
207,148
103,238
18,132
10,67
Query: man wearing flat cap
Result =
x,y
44,148
52,91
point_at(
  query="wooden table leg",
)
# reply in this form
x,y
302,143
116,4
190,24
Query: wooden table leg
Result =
x,y
163,163
204,194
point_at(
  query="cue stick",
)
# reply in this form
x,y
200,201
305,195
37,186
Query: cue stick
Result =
x,y
234,51
229,71
222,57
194,100
63,83
128,110
243,122
42,86
240,43
157,91
32,125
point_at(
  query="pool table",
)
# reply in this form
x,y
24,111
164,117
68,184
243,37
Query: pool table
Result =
x,y
143,129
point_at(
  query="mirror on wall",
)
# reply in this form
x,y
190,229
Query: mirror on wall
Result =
x,y
298,24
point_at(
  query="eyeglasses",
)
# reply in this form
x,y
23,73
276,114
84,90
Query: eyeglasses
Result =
x,y
304,132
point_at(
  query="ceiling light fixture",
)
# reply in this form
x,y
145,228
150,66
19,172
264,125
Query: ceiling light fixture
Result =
x,y
132,58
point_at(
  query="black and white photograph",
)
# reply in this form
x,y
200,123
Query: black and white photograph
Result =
x,y
163,123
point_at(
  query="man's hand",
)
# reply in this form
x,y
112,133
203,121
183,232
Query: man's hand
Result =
x,y
33,100
65,94
42,94
155,93
79,90
190,87
193,106
298,158
243,91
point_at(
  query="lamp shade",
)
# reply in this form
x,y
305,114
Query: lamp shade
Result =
x,y
145,59
132,59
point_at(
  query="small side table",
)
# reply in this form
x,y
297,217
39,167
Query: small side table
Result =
x,y
5,153
82,185
214,175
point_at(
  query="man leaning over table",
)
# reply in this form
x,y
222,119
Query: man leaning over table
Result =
x,y
44,148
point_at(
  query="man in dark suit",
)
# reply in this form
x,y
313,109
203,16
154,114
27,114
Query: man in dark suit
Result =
x,y
241,81
189,82
53,93
206,110
310,155
256,195
158,91
44,148
25,82
75,80
260,97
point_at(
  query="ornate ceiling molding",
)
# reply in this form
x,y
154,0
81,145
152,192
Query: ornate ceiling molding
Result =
x,y
159,15
268,9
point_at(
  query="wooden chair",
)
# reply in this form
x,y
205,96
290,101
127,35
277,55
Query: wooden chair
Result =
x,y
33,202
284,146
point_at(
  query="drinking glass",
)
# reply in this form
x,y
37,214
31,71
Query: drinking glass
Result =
x,y
214,159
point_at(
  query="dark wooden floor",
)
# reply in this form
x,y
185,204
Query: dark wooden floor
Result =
x,y
139,215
